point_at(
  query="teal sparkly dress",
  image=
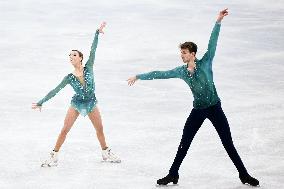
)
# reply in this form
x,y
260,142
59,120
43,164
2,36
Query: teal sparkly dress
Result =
x,y
84,100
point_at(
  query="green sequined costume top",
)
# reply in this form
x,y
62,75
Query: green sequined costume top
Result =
x,y
201,81
84,101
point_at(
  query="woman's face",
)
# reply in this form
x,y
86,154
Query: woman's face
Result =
x,y
75,59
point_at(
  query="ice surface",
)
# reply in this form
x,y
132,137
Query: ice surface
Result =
x,y
143,123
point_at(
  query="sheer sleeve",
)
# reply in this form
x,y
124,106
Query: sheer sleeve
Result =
x,y
91,60
173,73
53,92
211,49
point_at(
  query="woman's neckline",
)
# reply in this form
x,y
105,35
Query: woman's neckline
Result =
x,y
79,75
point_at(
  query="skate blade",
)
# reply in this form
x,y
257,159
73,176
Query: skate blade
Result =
x,y
48,165
109,161
257,186
165,186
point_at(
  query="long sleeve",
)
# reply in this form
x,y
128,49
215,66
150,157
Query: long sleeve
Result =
x,y
91,60
209,55
174,73
53,92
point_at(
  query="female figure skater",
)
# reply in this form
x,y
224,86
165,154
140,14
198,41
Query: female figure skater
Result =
x,y
199,77
84,102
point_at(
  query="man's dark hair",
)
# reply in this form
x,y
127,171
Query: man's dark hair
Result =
x,y
192,47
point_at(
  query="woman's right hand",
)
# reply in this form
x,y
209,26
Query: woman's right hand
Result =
x,y
132,80
35,106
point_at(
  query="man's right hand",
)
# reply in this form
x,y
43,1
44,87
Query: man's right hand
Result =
x,y
132,80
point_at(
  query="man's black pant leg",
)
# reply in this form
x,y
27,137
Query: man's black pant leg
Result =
x,y
193,123
220,122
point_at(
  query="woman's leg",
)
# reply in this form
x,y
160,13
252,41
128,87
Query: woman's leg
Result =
x,y
96,120
70,118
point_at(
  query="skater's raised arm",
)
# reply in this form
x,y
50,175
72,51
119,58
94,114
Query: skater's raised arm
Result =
x,y
52,93
214,36
174,73
91,60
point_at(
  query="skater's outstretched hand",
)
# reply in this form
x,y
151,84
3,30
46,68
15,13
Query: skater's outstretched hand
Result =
x,y
132,80
222,14
102,27
35,106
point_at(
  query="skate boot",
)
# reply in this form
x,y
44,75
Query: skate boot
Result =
x,y
51,161
109,156
247,179
168,179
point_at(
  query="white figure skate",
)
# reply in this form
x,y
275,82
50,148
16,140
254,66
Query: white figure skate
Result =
x,y
109,156
51,161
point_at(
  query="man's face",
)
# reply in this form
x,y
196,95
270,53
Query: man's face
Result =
x,y
187,56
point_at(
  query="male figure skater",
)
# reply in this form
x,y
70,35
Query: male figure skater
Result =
x,y
199,77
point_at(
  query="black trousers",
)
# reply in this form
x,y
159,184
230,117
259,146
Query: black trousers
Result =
x,y
197,116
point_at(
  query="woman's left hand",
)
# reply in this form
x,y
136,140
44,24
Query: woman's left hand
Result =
x,y
102,27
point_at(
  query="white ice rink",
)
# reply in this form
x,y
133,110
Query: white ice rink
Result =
x,y
143,123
